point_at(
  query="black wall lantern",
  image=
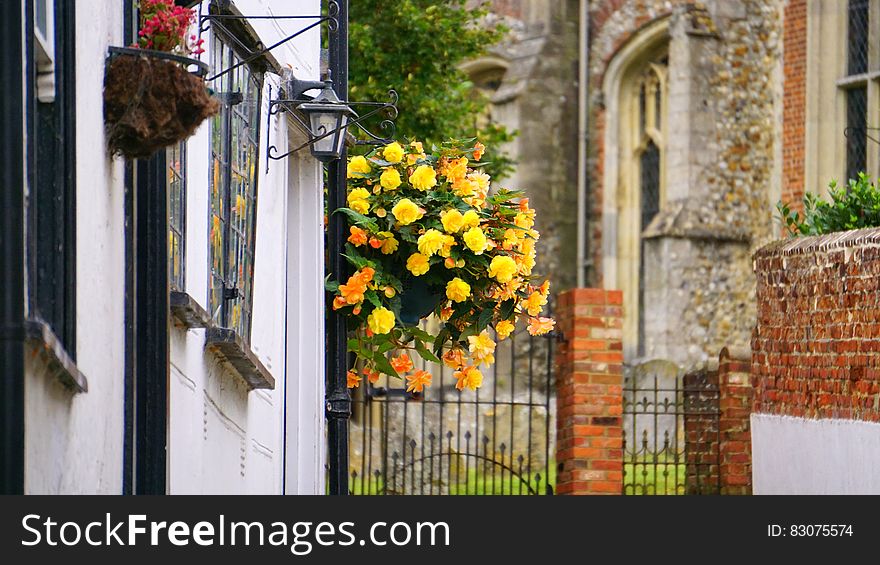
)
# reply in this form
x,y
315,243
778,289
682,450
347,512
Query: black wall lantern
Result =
x,y
329,118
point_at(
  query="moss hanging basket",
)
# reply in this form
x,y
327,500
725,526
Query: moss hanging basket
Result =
x,y
152,100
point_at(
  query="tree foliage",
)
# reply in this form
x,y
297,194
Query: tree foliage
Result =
x,y
416,47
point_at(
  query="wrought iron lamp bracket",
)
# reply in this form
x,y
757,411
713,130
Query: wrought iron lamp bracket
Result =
x,y
217,19
290,104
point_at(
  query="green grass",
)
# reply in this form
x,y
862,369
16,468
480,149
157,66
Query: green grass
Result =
x,y
648,477
477,484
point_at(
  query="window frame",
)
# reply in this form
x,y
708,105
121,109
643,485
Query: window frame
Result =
x,y
51,289
827,83
232,293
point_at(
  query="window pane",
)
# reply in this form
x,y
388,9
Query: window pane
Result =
x,y
175,160
233,194
857,37
856,139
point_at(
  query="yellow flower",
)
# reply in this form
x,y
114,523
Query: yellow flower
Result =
x,y
476,241
456,169
423,178
430,242
471,219
393,152
452,220
524,220
417,264
381,320
469,377
534,303
502,268
358,164
389,244
457,290
406,211
464,187
390,178
358,200
448,242
481,178
503,329
482,348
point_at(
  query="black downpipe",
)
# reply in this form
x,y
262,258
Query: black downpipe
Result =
x,y
12,247
338,397
151,313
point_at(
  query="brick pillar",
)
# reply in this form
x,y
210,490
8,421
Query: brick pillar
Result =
x,y
736,396
701,433
589,392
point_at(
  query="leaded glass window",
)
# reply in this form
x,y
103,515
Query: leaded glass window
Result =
x,y
233,184
175,161
858,20
649,154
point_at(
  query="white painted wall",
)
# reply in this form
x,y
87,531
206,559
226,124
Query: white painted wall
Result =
x,y
801,456
74,442
222,438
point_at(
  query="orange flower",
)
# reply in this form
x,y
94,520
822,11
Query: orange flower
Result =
x,y
353,379
365,275
353,292
540,326
545,289
358,236
446,313
339,302
402,363
478,151
372,376
375,242
417,381
454,358
469,377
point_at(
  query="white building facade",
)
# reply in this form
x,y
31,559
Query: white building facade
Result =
x,y
207,377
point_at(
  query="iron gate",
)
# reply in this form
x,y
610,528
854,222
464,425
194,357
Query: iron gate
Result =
x,y
499,439
671,434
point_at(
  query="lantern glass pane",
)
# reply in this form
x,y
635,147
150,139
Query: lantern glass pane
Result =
x,y
323,122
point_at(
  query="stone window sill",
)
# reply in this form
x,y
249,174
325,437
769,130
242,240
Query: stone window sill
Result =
x,y
187,312
46,345
230,347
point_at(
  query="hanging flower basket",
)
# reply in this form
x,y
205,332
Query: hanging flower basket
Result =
x,y
429,237
152,100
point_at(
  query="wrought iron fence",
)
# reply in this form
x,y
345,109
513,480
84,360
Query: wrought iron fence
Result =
x,y
671,434
499,439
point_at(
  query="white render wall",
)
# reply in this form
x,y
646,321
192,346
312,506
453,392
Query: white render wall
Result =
x,y
222,438
74,442
803,456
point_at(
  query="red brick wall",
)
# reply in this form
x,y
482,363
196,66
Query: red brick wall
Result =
x,y
718,441
589,392
794,101
816,346
735,406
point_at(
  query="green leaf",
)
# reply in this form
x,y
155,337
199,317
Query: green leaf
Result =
x,y
423,351
383,365
359,219
421,334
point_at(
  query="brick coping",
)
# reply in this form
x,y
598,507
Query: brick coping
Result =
x,y
836,240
